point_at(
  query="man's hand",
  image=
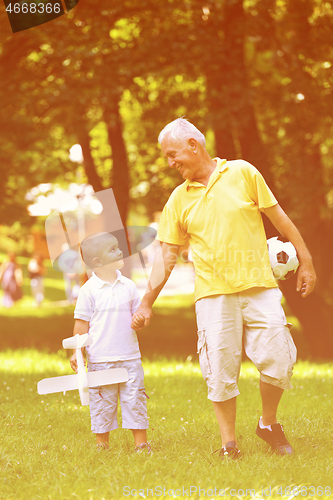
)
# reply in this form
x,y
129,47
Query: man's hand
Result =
x,y
141,318
306,278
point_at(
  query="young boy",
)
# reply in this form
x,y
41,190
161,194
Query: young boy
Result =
x,y
104,308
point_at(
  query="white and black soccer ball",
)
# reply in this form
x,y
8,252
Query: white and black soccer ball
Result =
x,y
283,258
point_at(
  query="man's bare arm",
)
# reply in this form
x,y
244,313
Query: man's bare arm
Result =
x,y
164,263
306,277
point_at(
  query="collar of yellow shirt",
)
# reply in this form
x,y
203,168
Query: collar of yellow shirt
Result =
x,y
221,165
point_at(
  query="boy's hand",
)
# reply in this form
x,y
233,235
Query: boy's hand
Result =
x,y
141,318
138,321
73,360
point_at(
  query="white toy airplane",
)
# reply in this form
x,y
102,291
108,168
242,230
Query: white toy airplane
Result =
x,y
82,380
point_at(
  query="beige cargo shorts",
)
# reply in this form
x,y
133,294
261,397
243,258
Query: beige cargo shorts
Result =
x,y
255,318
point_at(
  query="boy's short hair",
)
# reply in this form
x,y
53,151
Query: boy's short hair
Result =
x,y
91,246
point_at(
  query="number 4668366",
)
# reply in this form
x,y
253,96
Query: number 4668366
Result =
x,y
33,8
302,491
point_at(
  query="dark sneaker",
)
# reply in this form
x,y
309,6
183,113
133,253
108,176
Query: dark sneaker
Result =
x,y
276,439
143,447
230,450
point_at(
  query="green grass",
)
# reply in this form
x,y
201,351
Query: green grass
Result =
x,y
48,452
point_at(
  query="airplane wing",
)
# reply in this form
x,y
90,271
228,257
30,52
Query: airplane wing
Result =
x,y
58,384
107,377
70,382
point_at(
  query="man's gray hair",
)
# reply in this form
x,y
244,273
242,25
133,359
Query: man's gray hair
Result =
x,y
181,129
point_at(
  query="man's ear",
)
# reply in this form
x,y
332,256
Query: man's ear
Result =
x,y
97,262
193,144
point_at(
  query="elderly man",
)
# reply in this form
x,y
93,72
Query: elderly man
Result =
x,y
218,210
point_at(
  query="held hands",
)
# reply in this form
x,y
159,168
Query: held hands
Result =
x,y
306,278
141,318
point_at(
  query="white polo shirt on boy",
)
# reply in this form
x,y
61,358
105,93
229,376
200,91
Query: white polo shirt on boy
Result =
x,y
109,308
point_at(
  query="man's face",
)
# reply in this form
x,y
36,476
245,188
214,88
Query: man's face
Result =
x,y
111,255
181,156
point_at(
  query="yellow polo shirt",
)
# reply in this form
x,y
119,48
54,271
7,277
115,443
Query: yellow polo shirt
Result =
x,y
224,227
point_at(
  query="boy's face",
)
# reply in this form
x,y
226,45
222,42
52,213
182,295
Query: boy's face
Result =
x,y
110,255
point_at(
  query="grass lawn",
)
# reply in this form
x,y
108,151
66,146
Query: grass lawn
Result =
x,y
48,452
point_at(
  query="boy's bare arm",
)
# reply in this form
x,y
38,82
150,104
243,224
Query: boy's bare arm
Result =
x,y
80,328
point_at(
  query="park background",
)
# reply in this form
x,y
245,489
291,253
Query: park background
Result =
x,y
255,76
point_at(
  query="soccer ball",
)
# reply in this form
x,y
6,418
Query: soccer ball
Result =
x,y
283,258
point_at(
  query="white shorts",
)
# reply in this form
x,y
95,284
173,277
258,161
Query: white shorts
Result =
x,y
255,317
132,396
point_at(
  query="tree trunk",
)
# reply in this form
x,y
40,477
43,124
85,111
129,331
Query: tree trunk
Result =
x,y
219,116
88,161
120,180
120,171
224,141
238,90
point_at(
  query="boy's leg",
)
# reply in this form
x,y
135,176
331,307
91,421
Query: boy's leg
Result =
x,y
140,436
133,402
103,406
103,440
